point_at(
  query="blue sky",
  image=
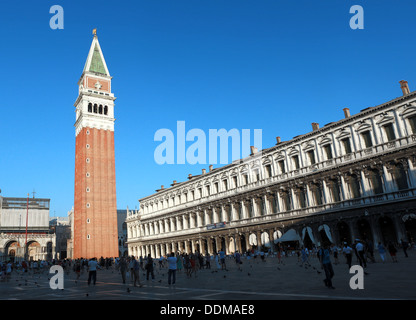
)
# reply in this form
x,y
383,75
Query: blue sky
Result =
x,y
267,64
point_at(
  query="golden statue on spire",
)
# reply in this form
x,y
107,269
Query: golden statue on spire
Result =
x,y
94,32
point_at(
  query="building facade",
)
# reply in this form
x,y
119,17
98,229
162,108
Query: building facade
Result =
x,y
353,178
95,209
61,227
24,229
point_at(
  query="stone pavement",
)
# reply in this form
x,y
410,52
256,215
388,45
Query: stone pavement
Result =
x,y
258,280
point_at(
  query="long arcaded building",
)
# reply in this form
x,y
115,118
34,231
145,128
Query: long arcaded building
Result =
x,y
353,178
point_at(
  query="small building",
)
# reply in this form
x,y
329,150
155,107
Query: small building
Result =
x,y
24,229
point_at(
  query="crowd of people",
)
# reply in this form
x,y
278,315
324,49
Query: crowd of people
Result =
x,y
130,268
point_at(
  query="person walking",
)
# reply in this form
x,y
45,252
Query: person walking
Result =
x,y
172,269
122,265
92,271
405,245
207,261
179,262
149,268
222,259
347,251
360,253
392,250
381,251
136,272
325,259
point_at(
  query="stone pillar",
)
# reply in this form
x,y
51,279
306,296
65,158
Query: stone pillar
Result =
x,y
185,222
266,201
242,209
192,220
227,244
247,236
324,191
199,219
178,224
254,207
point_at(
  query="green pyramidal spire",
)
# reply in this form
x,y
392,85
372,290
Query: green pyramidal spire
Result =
x,y
97,64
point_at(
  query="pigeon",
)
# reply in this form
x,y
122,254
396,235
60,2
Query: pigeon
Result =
x,y
224,276
128,290
319,272
86,295
278,268
249,274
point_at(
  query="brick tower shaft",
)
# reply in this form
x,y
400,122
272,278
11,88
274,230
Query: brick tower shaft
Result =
x,y
95,206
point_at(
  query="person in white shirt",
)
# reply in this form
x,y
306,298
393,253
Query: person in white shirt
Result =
x,y
92,271
172,268
347,251
360,253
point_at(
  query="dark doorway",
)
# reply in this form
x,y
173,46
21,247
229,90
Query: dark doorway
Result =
x,y
344,232
387,230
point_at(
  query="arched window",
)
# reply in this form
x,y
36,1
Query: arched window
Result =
x,y
105,110
100,109
95,108
354,184
90,107
400,177
376,181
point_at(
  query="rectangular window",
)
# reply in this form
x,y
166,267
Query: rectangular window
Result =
x,y
225,184
268,171
311,156
296,162
282,166
347,145
367,139
412,122
328,151
256,175
388,129
216,187
235,181
245,179
208,190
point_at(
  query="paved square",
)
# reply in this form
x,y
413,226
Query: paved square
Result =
x,y
257,280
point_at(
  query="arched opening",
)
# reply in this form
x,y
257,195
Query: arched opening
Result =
x,y
387,230
100,109
325,234
265,240
364,230
410,227
307,238
252,240
90,107
33,251
105,110
243,243
95,108
344,232
376,181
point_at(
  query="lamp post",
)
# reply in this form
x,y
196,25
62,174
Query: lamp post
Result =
x,y
27,218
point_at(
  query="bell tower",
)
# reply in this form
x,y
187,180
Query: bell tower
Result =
x,y
95,208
